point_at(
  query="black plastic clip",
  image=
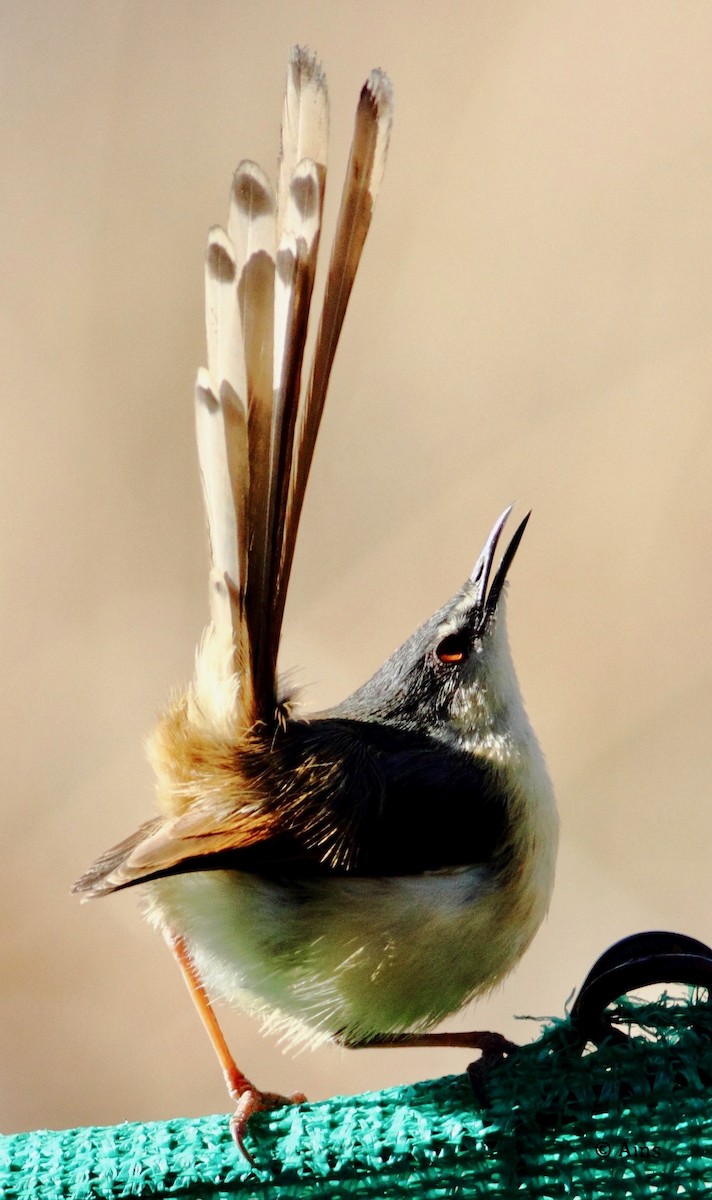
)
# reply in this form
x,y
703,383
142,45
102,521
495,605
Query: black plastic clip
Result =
x,y
635,962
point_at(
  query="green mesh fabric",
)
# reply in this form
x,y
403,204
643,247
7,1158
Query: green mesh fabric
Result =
x,y
631,1120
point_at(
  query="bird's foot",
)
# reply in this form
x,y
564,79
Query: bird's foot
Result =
x,y
494,1047
252,1100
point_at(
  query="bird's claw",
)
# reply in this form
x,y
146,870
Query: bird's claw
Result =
x,y
253,1101
494,1047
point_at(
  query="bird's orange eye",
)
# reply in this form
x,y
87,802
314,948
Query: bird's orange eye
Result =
x,y
451,649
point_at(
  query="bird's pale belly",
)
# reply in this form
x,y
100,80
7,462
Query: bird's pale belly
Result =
x,y
354,956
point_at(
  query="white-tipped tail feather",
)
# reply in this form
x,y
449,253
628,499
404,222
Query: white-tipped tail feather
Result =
x,y
256,432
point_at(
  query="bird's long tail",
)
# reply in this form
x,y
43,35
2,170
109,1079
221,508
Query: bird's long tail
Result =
x,y
256,424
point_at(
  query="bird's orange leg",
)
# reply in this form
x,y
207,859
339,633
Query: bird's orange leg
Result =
x,y
494,1046
247,1097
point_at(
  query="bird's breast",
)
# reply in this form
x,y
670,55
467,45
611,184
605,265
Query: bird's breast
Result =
x,y
352,955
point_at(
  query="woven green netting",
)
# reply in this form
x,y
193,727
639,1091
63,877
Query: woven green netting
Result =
x,y
631,1120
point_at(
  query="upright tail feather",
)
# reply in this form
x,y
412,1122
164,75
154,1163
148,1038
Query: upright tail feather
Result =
x,y
255,436
364,173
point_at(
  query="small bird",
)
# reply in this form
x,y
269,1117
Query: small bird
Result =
x,y
361,873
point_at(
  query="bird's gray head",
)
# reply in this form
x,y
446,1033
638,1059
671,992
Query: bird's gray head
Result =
x,y
453,678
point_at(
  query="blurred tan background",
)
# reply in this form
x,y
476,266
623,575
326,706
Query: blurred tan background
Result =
x,y
532,322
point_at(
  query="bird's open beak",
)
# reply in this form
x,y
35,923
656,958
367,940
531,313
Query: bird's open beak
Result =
x,y
486,600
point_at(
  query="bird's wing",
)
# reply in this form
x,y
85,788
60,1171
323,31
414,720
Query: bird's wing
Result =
x,y
258,796
393,802
259,282
357,798
193,841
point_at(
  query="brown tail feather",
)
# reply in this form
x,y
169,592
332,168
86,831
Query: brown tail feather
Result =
x,y
259,283
363,179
